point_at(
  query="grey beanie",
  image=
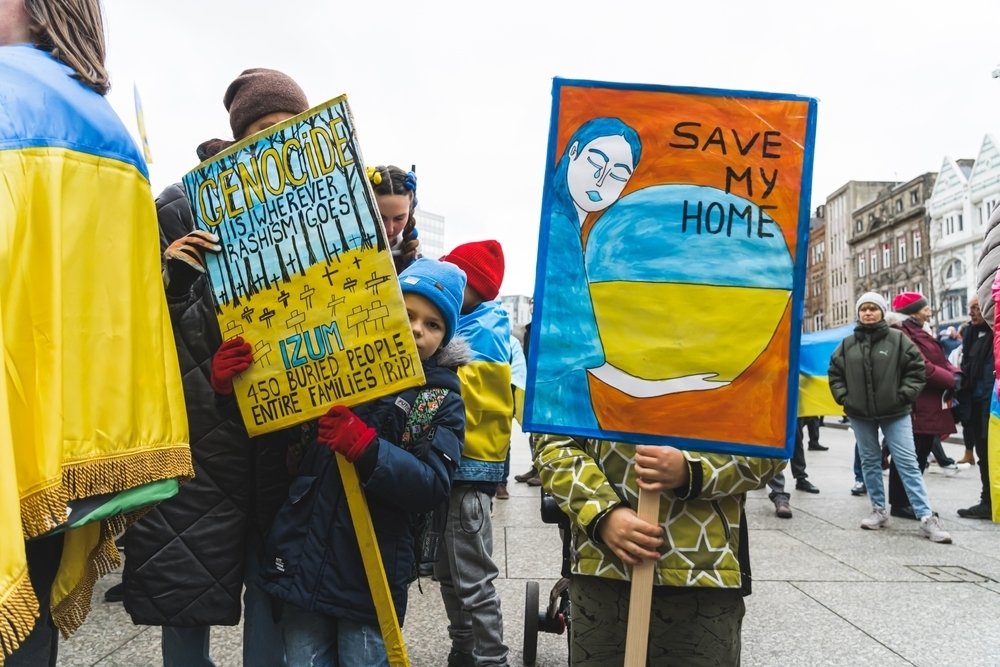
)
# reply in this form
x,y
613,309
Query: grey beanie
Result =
x,y
872,297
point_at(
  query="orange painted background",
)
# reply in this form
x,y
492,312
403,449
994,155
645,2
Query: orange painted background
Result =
x,y
753,409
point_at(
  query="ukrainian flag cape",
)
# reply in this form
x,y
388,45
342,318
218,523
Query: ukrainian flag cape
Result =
x,y
993,445
91,400
815,399
489,403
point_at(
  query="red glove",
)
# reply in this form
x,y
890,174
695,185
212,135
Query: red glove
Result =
x,y
344,432
232,358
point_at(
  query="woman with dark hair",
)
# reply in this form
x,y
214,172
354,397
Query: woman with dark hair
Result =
x,y
396,197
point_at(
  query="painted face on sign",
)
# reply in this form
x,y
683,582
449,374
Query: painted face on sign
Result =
x,y
598,172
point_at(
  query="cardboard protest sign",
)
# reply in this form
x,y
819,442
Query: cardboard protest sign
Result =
x,y
304,274
671,267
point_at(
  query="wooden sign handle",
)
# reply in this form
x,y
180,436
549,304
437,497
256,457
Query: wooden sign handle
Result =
x,y
641,595
371,557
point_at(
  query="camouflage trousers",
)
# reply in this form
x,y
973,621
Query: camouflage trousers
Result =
x,y
692,627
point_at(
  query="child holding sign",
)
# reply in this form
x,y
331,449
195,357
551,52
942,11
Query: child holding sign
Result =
x,y
405,464
699,545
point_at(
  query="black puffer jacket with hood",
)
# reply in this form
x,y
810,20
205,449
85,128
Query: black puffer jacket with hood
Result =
x,y
185,560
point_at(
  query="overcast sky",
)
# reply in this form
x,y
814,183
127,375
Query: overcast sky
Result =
x,y
463,89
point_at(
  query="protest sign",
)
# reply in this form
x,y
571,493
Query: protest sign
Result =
x,y
304,274
671,267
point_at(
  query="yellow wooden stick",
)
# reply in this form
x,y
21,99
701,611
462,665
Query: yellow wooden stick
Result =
x,y
641,595
392,635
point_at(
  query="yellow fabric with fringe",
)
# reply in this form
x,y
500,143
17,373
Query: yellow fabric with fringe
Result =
x,y
91,401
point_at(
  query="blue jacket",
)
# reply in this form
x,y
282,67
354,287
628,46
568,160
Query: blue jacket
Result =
x,y
312,559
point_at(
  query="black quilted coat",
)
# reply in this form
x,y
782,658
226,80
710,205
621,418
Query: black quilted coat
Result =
x,y
184,561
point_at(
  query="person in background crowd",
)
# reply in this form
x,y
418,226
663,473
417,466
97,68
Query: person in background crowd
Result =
x,y
974,402
91,406
465,568
188,560
812,425
931,421
950,340
778,494
876,373
987,293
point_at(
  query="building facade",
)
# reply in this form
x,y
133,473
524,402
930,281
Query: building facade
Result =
x,y
430,229
838,214
966,194
518,307
813,317
889,245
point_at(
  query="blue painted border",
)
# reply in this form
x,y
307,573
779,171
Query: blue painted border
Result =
x,y
798,283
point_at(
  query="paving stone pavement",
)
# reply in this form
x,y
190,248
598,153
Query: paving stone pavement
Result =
x,y
824,593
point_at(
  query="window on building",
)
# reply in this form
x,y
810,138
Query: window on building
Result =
x,y
899,205
861,266
948,226
886,255
918,250
952,308
914,197
873,262
859,225
919,288
901,250
954,270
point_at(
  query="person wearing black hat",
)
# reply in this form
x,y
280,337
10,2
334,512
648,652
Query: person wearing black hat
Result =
x,y
188,560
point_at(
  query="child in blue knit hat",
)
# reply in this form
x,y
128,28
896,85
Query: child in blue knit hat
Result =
x,y
405,463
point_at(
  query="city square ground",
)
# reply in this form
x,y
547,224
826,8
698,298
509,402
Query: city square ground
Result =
x,y
825,592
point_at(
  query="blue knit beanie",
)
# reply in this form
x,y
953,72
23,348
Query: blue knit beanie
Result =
x,y
442,284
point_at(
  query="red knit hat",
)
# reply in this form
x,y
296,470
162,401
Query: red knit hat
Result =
x,y
908,303
482,262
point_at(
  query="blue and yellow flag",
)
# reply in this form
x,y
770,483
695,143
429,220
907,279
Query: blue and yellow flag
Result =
x,y
815,399
91,400
486,381
140,122
993,444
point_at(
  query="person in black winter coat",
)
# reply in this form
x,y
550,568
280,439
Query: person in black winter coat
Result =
x,y
405,465
187,560
974,402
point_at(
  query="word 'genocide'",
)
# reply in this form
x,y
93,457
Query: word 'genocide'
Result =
x,y
293,162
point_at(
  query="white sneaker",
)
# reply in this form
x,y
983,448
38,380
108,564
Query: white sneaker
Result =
x,y
879,518
930,527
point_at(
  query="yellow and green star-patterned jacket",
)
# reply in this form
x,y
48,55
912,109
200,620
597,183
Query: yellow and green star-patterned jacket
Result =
x,y
588,478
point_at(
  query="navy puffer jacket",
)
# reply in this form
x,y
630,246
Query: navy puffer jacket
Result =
x,y
312,559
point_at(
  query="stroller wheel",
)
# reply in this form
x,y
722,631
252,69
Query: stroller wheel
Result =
x,y
530,648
